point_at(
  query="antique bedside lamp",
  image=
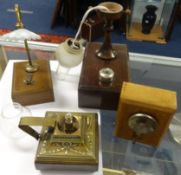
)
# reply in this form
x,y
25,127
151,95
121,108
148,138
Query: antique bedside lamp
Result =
x,y
23,34
68,141
70,53
105,66
29,77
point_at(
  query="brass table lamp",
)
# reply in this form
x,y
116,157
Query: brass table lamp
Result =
x,y
105,66
32,83
23,34
115,11
30,67
68,141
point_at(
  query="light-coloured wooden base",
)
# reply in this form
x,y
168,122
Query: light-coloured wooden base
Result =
x,y
40,91
156,34
156,102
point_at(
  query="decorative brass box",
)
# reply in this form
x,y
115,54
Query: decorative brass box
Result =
x,y
32,88
68,141
144,113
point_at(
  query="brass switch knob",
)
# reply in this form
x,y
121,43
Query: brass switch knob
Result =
x,y
142,123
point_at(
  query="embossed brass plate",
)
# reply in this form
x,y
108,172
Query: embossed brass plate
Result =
x,y
74,148
107,171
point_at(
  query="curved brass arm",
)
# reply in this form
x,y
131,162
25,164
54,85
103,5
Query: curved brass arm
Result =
x,y
25,123
127,11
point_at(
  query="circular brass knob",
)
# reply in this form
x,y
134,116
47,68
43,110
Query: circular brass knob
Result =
x,y
106,75
68,120
142,123
69,124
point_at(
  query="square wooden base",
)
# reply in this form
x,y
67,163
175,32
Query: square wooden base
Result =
x,y
40,91
93,94
158,103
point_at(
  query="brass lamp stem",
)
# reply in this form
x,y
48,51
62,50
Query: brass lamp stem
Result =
x,y
28,52
30,67
19,23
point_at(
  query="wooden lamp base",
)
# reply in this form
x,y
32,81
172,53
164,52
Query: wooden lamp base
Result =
x,y
157,105
91,92
40,90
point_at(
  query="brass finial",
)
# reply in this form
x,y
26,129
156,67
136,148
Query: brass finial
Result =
x,y
19,23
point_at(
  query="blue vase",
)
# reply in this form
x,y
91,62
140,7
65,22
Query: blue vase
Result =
x,y
149,18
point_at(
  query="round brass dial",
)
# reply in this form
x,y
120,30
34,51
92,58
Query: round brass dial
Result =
x,y
142,123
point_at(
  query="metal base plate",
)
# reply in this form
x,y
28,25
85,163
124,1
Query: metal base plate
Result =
x,y
70,155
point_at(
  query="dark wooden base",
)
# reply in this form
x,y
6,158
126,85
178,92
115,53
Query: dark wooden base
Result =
x,y
92,93
40,91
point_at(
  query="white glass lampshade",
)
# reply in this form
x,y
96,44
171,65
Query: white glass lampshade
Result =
x,y
20,35
69,55
23,34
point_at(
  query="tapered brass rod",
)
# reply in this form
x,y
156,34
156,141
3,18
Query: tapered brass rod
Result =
x,y
28,52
